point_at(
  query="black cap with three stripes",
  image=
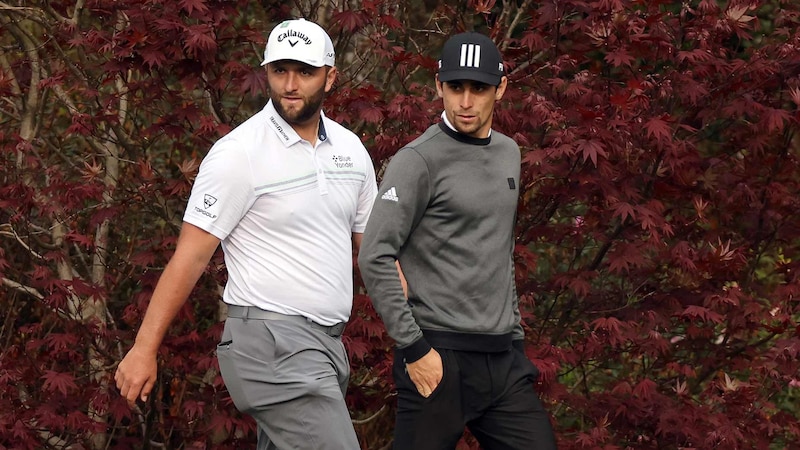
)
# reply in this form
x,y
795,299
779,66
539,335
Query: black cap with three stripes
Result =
x,y
471,56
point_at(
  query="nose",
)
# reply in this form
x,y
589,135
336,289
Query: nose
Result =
x,y
291,81
466,99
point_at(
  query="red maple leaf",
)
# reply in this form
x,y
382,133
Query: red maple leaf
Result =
x,y
153,58
619,58
80,238
623,210
193,409
351,20
658,129
623,257
776,119
221,421
645,389
391,22
194,5
200,39
59,382
254,82
702,313
591,149
371,114
609,324
357,349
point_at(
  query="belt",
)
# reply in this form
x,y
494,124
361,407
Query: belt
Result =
x,y
251,312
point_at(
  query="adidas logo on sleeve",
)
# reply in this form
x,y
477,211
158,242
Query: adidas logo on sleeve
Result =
x,y
391,194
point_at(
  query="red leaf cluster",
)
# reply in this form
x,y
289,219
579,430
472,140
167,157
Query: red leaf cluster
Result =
x,y
657,237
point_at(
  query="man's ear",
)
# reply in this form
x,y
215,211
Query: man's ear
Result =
x,y
330,78
501,89
439,89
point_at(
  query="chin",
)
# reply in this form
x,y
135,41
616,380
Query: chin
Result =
x,y
467,131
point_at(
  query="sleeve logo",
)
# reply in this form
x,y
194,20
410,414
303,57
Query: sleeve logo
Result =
x,y
208,201
390,195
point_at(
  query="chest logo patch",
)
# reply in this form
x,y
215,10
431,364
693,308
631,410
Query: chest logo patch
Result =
x,y
343,162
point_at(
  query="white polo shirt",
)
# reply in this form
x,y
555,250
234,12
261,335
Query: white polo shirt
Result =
x,y
285,211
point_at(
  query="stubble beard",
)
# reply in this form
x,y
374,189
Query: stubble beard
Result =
x,y
466,129
310,108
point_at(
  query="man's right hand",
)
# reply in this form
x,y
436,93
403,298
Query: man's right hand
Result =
x,y
136,375
426,372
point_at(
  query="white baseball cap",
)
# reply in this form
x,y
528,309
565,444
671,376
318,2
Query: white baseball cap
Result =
x,y
299,40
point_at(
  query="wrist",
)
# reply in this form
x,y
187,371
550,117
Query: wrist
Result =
x,y
415,351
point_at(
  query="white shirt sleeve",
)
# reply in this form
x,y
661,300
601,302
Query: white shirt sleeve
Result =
x,y
366,196
223,191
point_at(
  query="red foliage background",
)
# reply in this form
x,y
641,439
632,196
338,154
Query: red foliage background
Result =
x,y
657,241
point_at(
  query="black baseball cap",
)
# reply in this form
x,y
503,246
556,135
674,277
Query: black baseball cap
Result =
x,y
471,56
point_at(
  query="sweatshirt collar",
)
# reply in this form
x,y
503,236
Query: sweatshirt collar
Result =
x,y
448,128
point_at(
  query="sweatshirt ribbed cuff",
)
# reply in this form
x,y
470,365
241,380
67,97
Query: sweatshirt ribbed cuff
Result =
x,y
416,350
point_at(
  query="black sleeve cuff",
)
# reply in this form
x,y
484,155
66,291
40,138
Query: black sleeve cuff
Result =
x,y
415,351
519,345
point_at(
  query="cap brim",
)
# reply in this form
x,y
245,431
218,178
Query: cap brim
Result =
x,y
289,58
473,75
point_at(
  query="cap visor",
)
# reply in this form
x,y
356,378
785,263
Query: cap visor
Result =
x,y
472,75
290,56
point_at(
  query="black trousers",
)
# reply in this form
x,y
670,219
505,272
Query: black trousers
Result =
x,y
489,393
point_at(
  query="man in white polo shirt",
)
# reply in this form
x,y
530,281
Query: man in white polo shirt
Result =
x,y
284,193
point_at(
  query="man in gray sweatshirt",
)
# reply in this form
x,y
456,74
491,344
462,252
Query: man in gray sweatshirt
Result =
x,y
445,215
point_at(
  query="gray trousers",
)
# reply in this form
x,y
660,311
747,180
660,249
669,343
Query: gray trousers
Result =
x,y
291,379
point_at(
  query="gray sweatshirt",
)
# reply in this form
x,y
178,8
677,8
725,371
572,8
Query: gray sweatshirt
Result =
x,y
446,209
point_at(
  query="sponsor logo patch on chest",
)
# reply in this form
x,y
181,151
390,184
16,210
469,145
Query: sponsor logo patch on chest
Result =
x,y
343,162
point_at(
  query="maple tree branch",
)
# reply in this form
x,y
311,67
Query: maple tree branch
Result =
x,y
51,439
29,105
62,95
7,229
510,27
370,418
76,69
77,11
13,82
6,7
598,258
736,351
213,105
8,323
22,288
764,239
53,13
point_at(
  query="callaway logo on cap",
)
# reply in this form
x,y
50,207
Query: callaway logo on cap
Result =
x,y
299,40
471,56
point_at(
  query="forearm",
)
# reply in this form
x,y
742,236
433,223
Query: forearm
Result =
x,y
170,294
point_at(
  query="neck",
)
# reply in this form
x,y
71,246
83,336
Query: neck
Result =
x,y
308,131
465,138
